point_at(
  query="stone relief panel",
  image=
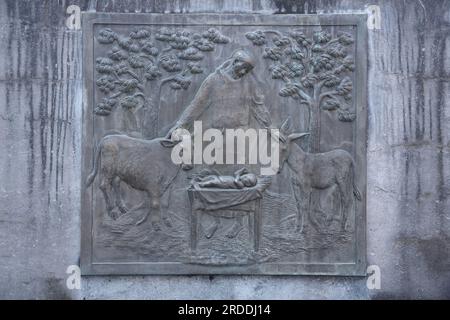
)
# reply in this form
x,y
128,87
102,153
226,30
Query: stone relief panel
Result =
x,y
152,80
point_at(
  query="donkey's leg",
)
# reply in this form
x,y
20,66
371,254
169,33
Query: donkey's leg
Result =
x,y
300,198
309,195
299,222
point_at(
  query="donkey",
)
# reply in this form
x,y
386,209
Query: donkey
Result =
x,y
318,171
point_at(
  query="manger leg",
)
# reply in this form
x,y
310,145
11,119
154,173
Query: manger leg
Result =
x,y
257,225
251,227
194,222
210,232
237,226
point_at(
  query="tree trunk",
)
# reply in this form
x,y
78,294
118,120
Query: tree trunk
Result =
x,y
314,128
129,121
314,124
151,122
150,125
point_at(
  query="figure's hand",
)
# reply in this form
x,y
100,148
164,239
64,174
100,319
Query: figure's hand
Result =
x,y
169,134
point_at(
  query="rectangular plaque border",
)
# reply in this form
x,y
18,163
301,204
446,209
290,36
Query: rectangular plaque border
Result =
x,y
89,267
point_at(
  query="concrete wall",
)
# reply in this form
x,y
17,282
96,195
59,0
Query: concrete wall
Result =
x,y
408,205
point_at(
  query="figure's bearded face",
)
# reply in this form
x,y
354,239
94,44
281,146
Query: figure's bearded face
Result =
x,y
241,68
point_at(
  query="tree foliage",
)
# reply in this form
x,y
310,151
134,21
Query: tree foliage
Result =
x,y
135,60
315,70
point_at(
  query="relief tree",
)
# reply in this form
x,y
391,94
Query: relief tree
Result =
x,y
316,72
137,62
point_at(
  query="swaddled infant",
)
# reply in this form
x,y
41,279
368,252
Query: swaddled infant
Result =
x,y
241,179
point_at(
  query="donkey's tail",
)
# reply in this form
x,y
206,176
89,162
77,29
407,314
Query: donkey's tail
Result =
x,y
356,192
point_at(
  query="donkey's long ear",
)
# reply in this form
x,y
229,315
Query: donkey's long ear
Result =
x,y
294,136
286,126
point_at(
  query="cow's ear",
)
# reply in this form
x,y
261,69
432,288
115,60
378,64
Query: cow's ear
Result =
x,y
167,143
295,136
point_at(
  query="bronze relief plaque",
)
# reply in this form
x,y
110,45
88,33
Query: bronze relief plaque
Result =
x,y
224,144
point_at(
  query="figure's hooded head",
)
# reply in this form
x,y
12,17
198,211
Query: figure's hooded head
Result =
x,y
241,63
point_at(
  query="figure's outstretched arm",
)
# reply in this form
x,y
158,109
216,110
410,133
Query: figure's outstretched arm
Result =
x,y
196,107
260,112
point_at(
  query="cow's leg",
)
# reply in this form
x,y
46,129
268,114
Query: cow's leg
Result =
x,y
107,189
153,210
142,205
108,165
145,204
118,196
164,207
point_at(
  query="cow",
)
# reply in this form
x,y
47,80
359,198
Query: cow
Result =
x,y
144,165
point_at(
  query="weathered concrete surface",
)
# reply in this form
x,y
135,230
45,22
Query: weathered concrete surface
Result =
x,y
408,155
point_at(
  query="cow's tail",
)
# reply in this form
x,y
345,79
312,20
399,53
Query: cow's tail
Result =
x,y
92,175
356,192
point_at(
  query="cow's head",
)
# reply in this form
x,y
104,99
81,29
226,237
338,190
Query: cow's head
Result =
x,y
169,143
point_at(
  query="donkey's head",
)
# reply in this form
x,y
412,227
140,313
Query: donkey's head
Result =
x,y
285,140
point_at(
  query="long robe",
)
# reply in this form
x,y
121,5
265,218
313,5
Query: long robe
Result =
x,y
226,103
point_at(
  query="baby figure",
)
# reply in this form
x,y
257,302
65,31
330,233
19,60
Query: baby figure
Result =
x,y
241,179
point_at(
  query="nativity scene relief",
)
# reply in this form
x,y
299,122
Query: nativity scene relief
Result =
x,y
224,149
